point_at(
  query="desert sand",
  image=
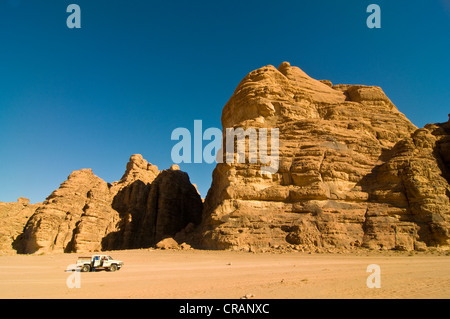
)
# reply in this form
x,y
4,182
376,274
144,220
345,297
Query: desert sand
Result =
x,y
164,274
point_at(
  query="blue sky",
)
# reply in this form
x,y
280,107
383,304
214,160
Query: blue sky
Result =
x,y
136,70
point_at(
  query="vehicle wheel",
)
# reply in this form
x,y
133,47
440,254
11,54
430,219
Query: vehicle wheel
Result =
x,y
86,268
113,267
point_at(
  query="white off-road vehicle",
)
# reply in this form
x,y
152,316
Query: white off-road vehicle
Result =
x,y
87,264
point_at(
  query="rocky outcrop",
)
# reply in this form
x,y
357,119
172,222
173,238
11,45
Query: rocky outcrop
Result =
x,y
152,212
350,171
54,224
88,214
13,217
353,171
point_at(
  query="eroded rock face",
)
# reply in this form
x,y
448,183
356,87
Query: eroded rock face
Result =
x,y
88,214
13,217
74,217
353,171
416,179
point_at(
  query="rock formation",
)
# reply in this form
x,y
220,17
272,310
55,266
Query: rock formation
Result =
x,y
55,223
353,171
88,214
13,217
151,212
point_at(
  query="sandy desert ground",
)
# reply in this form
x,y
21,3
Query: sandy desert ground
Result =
x,y
225,274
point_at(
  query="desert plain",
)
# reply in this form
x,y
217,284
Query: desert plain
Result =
x,y
203,274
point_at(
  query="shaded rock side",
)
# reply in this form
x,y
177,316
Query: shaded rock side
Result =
x,y
353,170
415,180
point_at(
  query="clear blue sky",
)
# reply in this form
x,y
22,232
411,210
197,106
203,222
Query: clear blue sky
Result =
x,y
136,70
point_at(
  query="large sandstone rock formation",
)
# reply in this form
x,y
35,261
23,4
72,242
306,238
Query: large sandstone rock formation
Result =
x,y
353,171
88,214
13,217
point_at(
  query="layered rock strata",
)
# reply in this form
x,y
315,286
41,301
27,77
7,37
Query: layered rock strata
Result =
x,y
353,171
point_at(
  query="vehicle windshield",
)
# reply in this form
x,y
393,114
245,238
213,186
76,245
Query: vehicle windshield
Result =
x,y
109,257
